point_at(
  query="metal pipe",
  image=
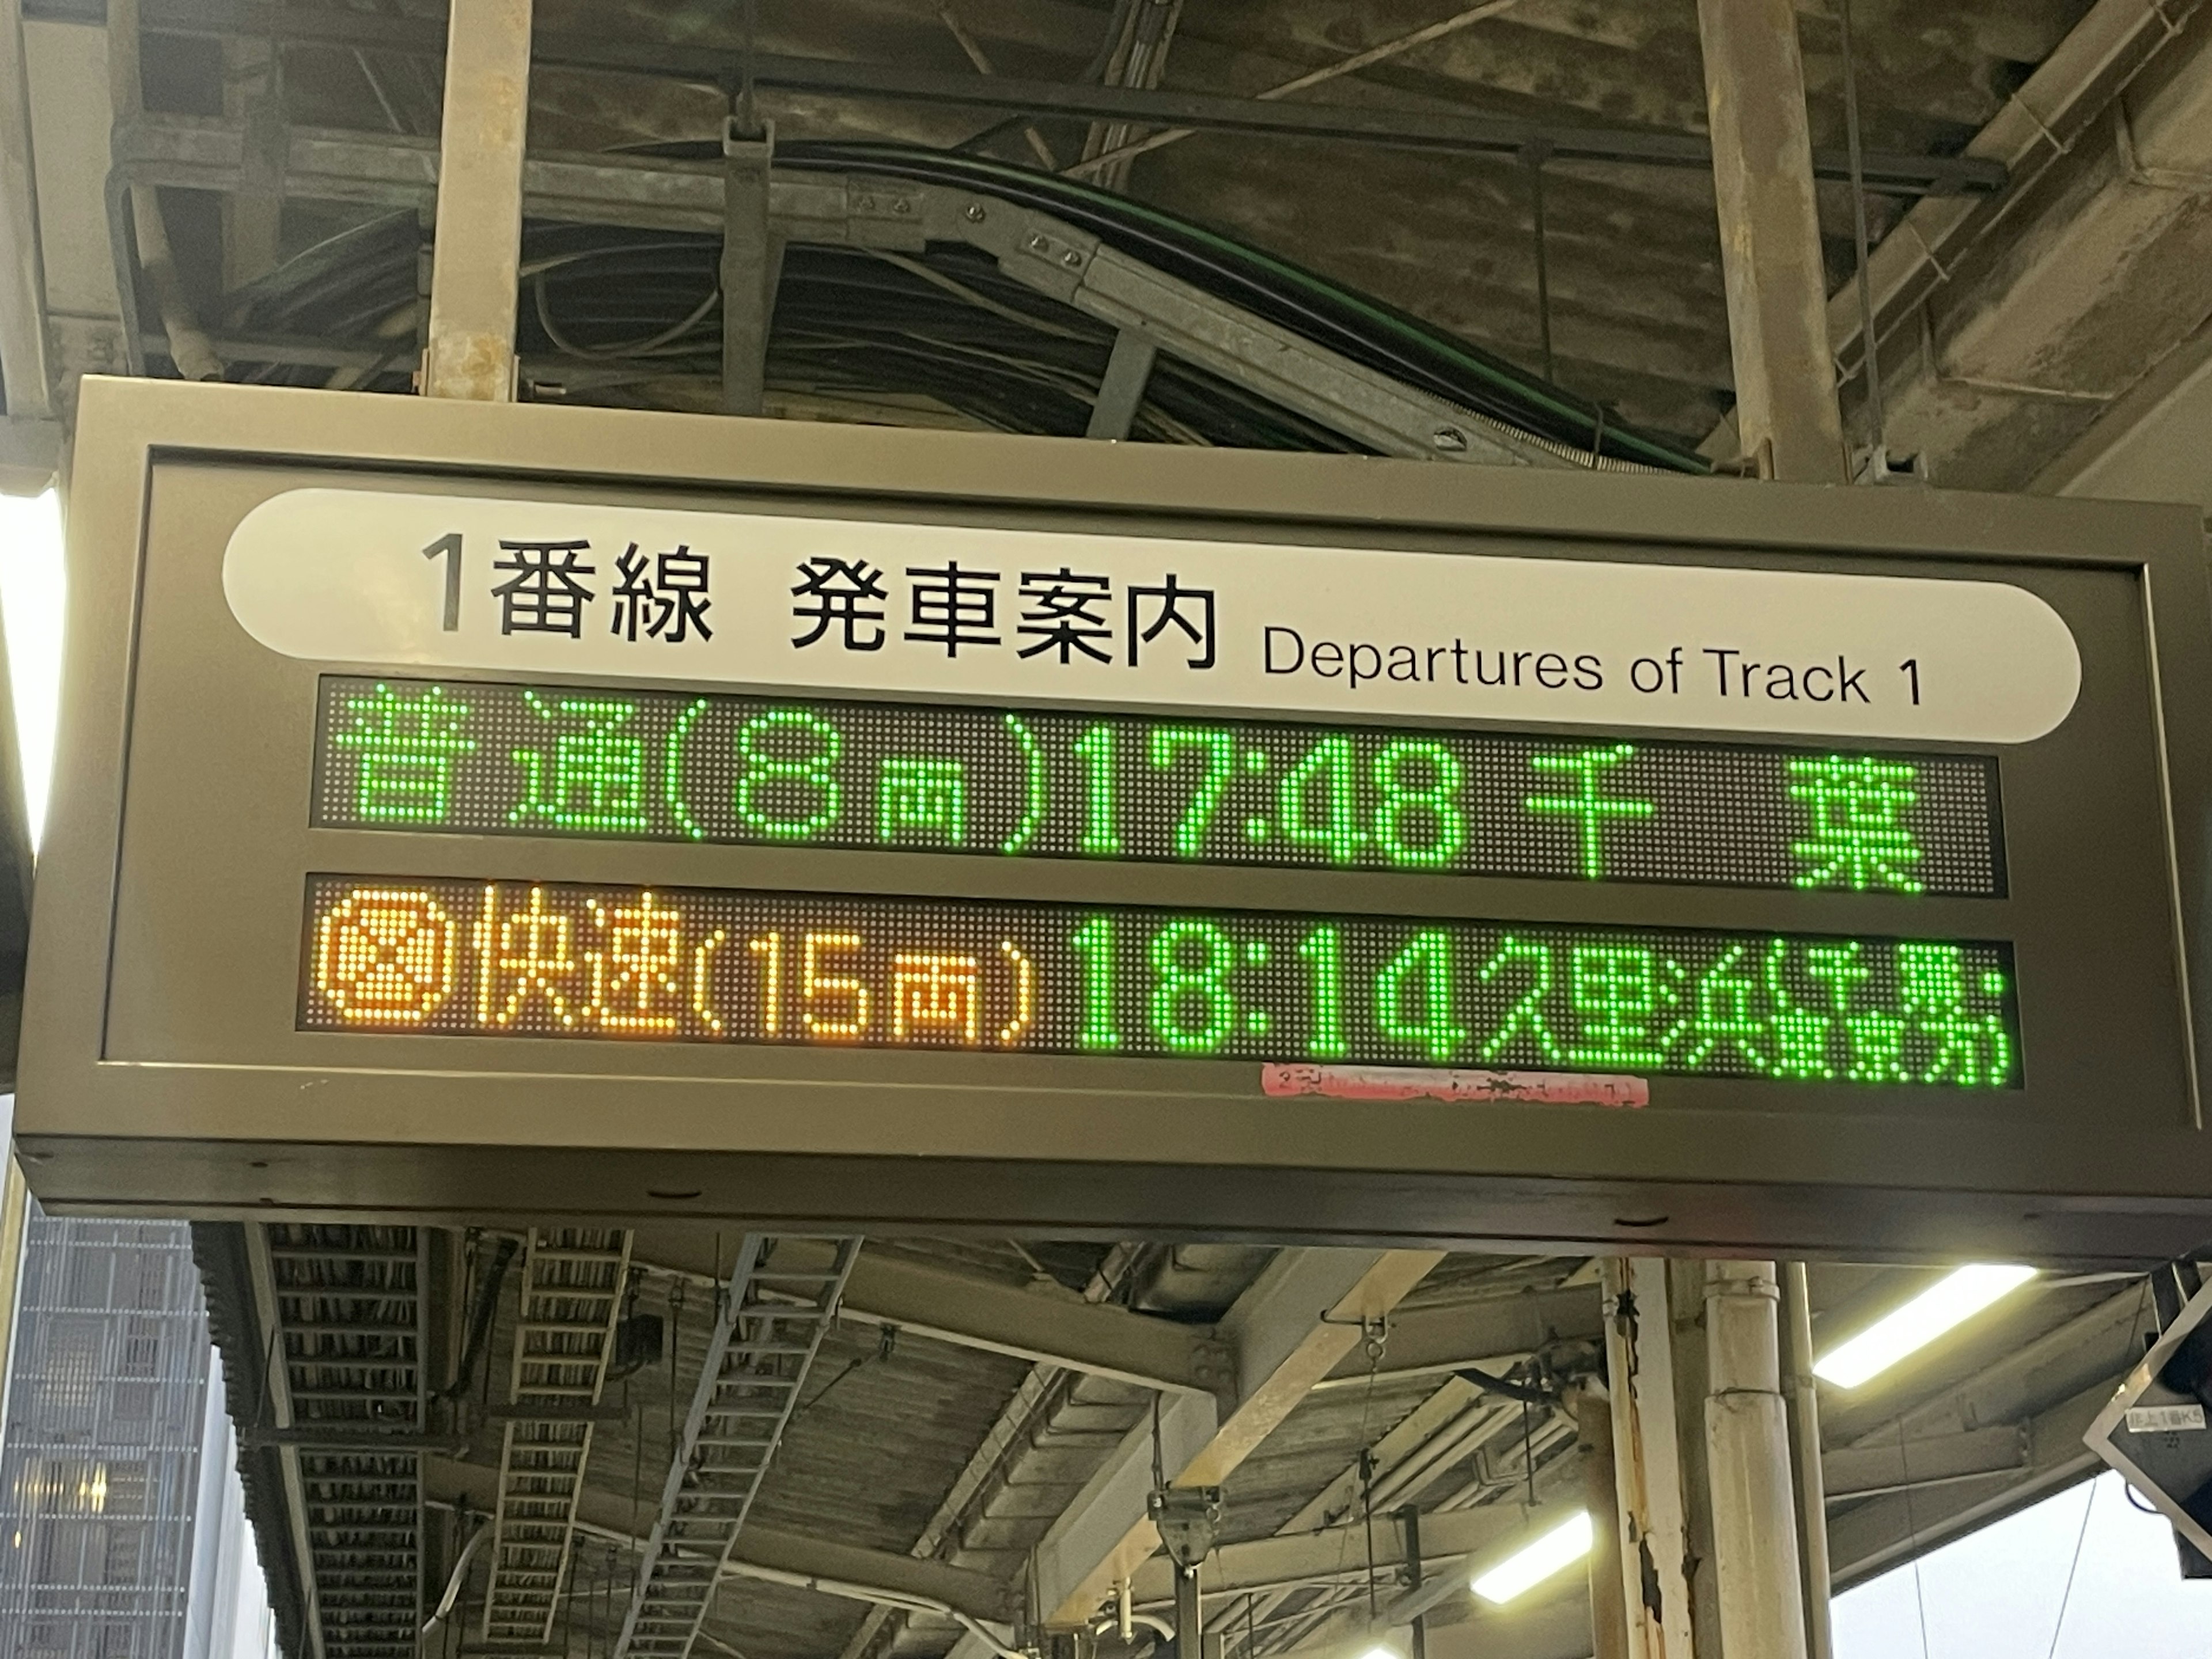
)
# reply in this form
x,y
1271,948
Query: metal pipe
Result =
x,y
1189,1620
1747,1450
1812,1492
1861,280
852,1592
476,248
460,1572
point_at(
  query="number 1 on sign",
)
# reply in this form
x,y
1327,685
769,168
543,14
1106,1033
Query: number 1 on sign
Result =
x,y
449,548
1323,951
1093,943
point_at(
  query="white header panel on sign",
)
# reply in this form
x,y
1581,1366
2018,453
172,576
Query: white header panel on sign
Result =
x,y
830,604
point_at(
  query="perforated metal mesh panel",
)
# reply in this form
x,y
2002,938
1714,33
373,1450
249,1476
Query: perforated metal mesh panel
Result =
x,y
99,1474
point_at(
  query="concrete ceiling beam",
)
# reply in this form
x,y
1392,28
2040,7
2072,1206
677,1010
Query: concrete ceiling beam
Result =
x,y
1035,1324
2113,43
1043,1323
2009,322
2095,276
2045,1391
2099,1342
2154,444
1882,1532
1851,1472
1305,1312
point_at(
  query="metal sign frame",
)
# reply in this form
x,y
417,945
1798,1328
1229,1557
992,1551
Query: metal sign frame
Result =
x,y
164,1071
2151,1455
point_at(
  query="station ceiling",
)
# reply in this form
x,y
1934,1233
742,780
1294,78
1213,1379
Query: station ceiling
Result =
x,y
2013,318
976,1430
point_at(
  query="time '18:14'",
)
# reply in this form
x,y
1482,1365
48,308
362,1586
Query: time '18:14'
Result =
x,y
1188,1005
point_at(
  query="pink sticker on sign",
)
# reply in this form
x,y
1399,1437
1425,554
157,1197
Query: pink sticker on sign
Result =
x,y
1415,1083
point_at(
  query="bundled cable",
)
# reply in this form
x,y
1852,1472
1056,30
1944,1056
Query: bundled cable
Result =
x,y
631,318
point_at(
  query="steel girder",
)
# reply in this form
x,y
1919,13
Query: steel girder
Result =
x,y
773,1316
572,1280
343,1308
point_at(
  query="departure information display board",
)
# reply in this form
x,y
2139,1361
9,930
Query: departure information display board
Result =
x,y
551,960
476,815
490,758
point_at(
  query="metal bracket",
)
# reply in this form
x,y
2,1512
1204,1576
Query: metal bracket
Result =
x,y
1122,386
1877,465
1375,1334
1188,1518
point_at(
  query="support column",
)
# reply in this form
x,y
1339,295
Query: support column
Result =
x,y
1409,1527
1788,421
25,349
1805,1443
477,254
1785,378
1653,1529
1608,1590
1747,1452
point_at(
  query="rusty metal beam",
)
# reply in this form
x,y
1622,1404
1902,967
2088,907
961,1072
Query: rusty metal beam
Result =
x,y
1777,295
477,253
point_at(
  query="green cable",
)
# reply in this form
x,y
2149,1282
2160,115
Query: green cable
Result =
x,y
1535,392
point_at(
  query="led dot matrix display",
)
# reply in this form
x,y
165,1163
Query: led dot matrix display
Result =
x,y
492,759
520,959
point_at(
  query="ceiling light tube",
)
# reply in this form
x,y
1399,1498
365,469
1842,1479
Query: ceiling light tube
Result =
x,y
1555,1552
1948,1302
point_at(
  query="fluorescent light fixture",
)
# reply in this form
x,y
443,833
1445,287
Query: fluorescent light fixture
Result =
x,y
1949,1302
1558,1549
31,612
1381,1650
